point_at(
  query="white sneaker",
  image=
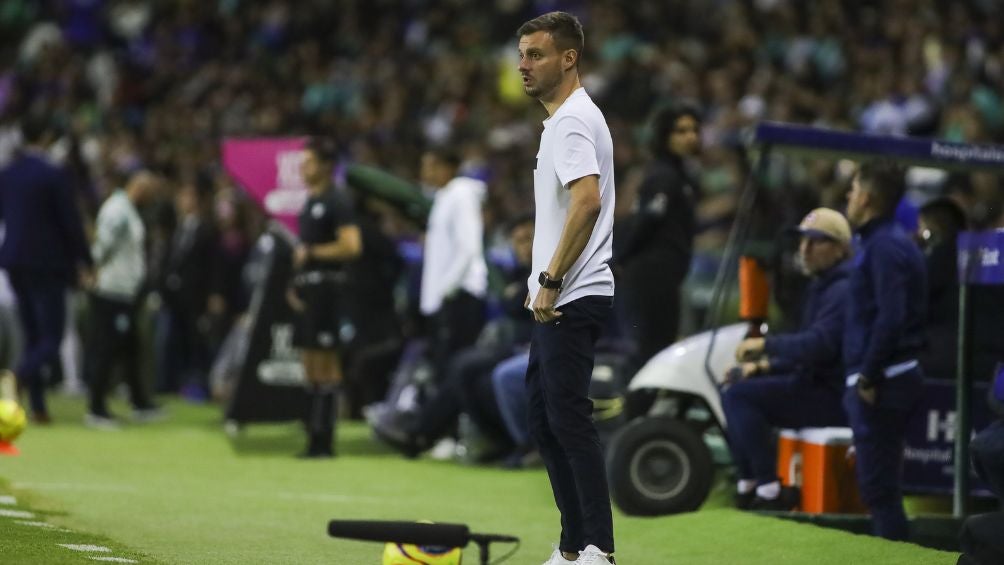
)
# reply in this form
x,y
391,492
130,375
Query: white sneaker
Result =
x,y
592,555
558,559
102,423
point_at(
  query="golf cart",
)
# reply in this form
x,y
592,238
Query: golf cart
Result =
x,y
662,461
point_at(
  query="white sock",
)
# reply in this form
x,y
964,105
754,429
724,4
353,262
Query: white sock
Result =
x,y
769,491
745,486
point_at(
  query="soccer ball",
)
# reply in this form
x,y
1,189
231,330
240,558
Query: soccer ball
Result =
x,y
407,554
12,420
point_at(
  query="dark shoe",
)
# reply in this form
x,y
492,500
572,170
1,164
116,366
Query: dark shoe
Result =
x,y
744,500
41,418
786,501
399,439
318,447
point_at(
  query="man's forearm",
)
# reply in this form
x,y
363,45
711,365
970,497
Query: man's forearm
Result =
x,y
334,251
582,215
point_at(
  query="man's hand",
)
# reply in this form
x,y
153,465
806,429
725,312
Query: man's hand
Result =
x,y
300,255
543,306
294,301
749,369
867,392
749,349
87,278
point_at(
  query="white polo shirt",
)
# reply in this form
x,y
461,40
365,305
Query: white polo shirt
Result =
x,y
575,143
454,248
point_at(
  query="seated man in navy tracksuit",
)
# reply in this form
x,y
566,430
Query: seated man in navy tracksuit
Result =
x,y
802,377
883,336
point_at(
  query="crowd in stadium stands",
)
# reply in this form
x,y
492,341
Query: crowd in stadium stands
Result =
x,y
132,85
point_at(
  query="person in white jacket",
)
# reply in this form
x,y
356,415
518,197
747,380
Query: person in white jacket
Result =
x,y
454,273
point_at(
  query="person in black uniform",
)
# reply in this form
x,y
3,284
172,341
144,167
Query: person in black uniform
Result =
x,y
658,237
883,337
329,237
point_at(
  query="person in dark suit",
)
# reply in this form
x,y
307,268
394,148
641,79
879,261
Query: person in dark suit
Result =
x,y
44,251
189,275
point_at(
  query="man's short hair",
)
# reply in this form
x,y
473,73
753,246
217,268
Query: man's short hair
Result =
x,y
884,179
323,148
565,30
520,220
446,154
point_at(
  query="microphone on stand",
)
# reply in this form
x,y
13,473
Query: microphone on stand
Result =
x,y
417,533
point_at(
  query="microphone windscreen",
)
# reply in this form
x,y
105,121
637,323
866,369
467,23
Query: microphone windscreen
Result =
x,y
447,535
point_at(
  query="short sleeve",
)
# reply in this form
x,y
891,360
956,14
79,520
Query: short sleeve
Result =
x,y
574,150
342,209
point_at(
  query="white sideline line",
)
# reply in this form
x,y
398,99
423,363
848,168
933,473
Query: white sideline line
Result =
x,y
76,486
8,500
113,559
36,524
16,514
85,547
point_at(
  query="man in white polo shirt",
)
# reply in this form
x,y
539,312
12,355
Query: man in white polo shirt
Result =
x,y
571,287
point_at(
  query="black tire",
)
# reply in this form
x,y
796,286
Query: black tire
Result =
x,y
659,466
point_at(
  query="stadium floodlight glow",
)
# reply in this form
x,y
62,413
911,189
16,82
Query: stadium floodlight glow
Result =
x,y
823,143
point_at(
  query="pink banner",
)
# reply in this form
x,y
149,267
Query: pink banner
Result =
x,y
269,170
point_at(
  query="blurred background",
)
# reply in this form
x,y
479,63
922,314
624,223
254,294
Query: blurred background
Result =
x,y
139,83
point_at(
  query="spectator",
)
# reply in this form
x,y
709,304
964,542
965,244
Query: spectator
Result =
x,y
940,222
798,377
883,336
467,386
118,251
981,541
188,277
330,238
454,274
376,343
659,239
44,252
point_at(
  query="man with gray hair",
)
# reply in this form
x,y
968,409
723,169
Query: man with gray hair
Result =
x,y
799,380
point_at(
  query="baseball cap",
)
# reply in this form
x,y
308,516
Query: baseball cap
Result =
x,y
824,222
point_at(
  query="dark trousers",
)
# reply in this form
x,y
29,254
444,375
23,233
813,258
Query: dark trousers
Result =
x,y
456,326
753,407
651,309
181,351
879,437
113,341
988,457
456,393
41,305
562,353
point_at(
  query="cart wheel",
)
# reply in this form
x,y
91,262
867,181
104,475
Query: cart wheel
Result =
x,y
659,466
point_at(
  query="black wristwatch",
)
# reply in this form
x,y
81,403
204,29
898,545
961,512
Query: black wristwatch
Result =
x,y
548,282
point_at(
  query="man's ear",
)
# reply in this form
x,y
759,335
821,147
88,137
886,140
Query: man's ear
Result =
x,y
570,58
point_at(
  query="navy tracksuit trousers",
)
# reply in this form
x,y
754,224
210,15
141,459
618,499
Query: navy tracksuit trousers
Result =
x,y
562,353
879,437
753,407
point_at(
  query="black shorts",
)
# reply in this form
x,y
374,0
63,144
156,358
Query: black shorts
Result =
x,y
318,325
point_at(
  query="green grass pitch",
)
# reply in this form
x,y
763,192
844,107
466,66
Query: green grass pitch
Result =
x,y
181,492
